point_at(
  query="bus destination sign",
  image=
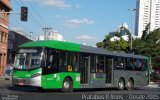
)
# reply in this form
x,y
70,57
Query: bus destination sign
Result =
x,y
27,51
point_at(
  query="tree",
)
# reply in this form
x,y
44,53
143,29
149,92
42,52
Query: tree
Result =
x,y
118,43
149,45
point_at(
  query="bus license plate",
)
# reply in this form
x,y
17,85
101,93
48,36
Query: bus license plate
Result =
x,y
21,81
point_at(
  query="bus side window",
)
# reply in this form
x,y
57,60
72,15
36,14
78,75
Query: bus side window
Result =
x,y
119,63
142,64
138,64
100,64
93,68
63,61
75,62
145,65
49,64
129,64
116,62
133,64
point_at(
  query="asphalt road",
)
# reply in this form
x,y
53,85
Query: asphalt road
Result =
x,y
9,92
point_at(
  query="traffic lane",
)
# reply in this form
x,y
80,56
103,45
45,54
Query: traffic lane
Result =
x,y
31,93
28,90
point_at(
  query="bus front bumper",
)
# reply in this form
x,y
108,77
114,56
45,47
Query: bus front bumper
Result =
x,y
36,81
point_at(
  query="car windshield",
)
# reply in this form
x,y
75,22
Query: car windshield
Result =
x,y
27,61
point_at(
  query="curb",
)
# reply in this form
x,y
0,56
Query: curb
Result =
x,y
153,84
5,78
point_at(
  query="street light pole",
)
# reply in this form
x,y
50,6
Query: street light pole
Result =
x,y
132,11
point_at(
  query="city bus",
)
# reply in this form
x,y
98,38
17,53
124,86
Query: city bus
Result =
x,y
50,64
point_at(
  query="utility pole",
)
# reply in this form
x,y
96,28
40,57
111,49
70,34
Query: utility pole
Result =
x,y
132,11
45,29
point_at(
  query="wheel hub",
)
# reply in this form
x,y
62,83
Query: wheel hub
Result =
x,y
66,84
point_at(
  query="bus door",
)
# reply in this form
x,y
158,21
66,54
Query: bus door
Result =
x,y
50,67
109,66
85,65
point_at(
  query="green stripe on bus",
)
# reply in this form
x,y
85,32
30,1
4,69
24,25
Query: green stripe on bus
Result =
x,y
56,80
26,73
53,44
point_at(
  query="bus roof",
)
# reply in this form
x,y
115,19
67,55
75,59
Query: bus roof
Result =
x,y
53,44
77,48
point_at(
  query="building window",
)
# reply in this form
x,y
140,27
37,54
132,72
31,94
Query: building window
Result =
x,y
0,36
6,38
3,37
3,15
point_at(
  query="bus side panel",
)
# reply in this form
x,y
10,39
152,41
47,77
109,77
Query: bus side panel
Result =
x,y
55,81
25,74
139,77
27,77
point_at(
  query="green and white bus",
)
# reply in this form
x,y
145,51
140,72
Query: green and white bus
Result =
x,y
50,64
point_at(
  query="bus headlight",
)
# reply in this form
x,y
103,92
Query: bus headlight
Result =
x,y
35,75
55,75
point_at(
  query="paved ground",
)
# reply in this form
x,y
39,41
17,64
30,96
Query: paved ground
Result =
x,y
9,92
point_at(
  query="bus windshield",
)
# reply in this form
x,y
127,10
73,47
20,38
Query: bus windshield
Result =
x,y
27,61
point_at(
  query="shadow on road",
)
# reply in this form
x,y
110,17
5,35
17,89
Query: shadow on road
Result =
x,y
29,89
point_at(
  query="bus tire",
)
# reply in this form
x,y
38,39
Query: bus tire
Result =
x,y
67,85
40,89
121,84
130,85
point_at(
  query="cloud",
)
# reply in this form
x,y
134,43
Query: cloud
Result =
x,y
86,37
58,16
17,28
27,0
76,22
77,6
56,3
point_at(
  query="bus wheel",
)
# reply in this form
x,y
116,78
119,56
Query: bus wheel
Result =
x,y
67,85
130,85
121,84
40,89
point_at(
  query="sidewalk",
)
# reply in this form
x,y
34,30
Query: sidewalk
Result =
x,y
5,81
154,84
6,77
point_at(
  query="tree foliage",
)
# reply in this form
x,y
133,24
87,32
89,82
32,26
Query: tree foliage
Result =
x,y
148,44
119,44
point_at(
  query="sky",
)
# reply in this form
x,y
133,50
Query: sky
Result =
x,y
79,21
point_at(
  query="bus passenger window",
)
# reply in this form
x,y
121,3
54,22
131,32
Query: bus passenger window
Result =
x,y
63,61
92,62
50,61
144,67
119,63
133,64
100,63
75,62
138,64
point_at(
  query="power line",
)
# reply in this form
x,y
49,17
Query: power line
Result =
x,y
45,29
36,12
35,19
27,34
32,15
20,24
17,3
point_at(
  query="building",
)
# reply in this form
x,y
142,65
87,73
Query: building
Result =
x,y
122,32
147,11
4,23
14,40
52,36
55,36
